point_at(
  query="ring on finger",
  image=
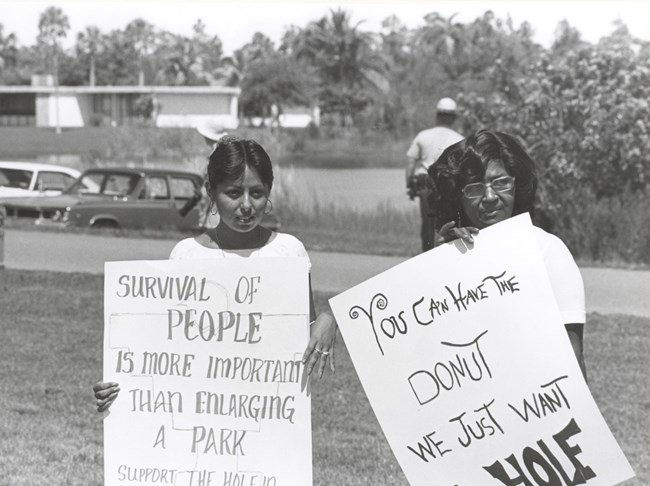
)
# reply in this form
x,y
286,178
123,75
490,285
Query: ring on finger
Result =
x,y
318,351
325,353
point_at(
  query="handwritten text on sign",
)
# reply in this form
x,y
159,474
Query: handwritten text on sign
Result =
x,y
207,355
468,367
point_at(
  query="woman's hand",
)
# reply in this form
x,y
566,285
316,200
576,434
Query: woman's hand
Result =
x,y
321,344
105,393
449,232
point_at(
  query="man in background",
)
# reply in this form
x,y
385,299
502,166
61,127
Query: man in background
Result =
x,y
423,152
211,133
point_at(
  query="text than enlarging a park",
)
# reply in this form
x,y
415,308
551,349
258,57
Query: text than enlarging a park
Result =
x,y
426,309
256,407
214,441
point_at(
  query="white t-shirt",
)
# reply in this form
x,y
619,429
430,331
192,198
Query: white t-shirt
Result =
x,y
278,245
428,145
565,277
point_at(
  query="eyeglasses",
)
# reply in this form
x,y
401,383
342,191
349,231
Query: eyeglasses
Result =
x,y
477,189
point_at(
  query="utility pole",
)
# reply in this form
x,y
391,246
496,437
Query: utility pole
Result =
x,y
56,91
3,214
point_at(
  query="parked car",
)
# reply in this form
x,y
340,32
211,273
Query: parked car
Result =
x,y
122,198
118,198
23,179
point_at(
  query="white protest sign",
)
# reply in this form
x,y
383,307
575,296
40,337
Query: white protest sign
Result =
x,y
207,355
468,367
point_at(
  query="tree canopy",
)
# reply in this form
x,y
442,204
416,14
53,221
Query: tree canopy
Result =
x,y
582,108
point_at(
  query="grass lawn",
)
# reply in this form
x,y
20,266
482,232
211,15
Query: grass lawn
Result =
x,y
51,352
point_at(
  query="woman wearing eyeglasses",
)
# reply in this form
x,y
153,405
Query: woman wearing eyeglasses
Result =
x,y
487,178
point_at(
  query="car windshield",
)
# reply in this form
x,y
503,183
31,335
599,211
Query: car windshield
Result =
x,y
106,184
15,178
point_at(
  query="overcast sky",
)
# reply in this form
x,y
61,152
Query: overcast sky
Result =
x,y
236,22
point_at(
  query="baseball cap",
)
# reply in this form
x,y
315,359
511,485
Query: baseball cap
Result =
x,y
446,105
211,130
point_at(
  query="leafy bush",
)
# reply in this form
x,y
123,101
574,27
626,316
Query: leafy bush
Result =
x,y
609,229
583,112
143,144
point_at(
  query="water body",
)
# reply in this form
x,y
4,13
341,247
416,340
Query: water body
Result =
x,y
361,189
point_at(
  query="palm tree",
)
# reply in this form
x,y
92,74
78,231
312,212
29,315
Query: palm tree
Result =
x,y
178,56
8,49
441,41
346,59
142,36
233,68
53,26
90,43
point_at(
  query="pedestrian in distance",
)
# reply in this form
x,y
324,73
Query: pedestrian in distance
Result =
x,y
486,179
240,177
422,154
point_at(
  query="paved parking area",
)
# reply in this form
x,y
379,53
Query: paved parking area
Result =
x,y
608,291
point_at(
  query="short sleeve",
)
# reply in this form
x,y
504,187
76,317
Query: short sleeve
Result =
x,y
175,253
300,251
284,245
414,151
566,280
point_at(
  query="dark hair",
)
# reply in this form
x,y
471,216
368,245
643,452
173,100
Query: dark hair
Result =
x,y
466,161
230,157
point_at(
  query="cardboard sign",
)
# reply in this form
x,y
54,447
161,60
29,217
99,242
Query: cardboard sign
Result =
x,y
207,355
468,367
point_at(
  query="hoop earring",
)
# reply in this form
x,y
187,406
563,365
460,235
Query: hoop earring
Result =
x,y
213,206
267,210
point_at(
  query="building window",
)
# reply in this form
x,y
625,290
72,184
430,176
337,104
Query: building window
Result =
x,y
17,109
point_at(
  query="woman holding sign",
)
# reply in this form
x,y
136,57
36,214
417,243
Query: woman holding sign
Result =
x,y
487,178
240,177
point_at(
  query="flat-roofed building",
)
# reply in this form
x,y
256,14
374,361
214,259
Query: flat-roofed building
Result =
x,y
79,106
